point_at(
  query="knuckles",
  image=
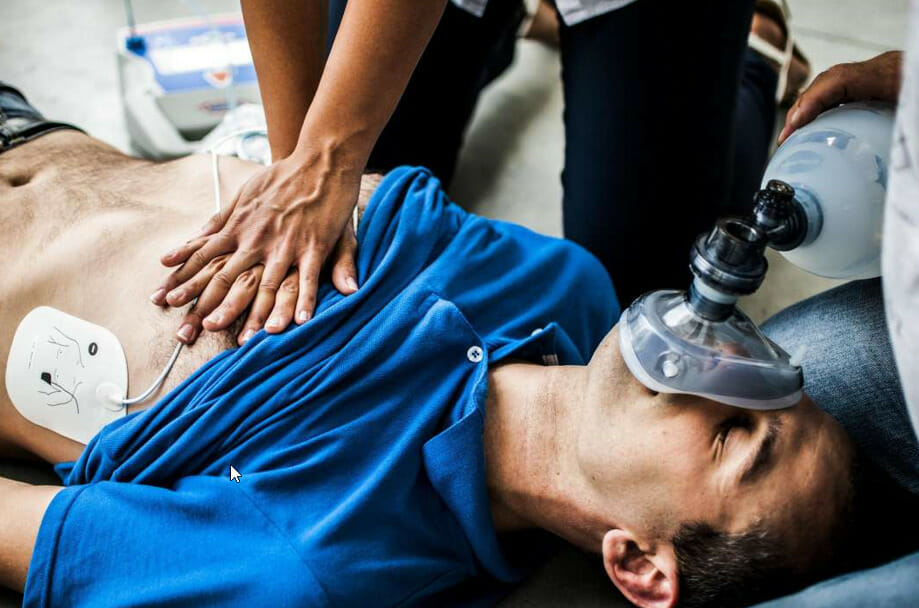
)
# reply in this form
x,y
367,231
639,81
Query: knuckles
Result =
x,y
268,286
198,259
290,285
222,279
218,263
247,279
837,71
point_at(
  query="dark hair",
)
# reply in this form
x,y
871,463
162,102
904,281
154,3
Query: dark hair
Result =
x,y
720,569
717,568
874,522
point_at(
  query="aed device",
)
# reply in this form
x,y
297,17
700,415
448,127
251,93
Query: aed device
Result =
x,y
179,78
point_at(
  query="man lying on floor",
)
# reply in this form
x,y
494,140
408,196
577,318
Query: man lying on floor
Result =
x,y
412,444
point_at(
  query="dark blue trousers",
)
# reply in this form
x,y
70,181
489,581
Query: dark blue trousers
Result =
x,y
668,119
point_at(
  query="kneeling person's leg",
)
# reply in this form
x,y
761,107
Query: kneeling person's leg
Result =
x,y
893,584
850,372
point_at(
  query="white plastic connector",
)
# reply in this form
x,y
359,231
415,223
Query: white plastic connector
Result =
x,y
110,395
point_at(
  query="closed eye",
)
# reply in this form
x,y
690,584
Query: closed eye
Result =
x,y
724,429
764,455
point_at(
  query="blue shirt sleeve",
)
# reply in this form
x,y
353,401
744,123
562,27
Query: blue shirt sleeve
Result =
x,y
201,543
407,225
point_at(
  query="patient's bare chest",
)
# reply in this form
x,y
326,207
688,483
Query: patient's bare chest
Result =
x,y
93,253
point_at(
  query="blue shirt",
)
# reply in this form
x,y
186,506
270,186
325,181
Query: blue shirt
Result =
x,y
358,435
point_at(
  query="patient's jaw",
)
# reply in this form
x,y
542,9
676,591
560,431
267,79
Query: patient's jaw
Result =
x,y
592,455
652,462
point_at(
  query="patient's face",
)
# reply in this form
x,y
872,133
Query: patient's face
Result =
x,y
668,459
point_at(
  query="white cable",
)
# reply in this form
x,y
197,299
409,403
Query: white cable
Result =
x,y
215,174
240,133
215,170
159,381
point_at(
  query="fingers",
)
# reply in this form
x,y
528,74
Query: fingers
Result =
x,y
276,305
220,285
180,254
273,309
828,90
217,221
284,305
189,290
309,266
236,301
190,327
267,293
244,289
344,272
790,125
258,314
877,78
214,246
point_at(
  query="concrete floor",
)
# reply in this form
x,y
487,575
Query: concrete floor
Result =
x,y
60,53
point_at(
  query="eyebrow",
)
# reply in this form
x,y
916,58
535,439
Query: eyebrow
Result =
x,y
765,453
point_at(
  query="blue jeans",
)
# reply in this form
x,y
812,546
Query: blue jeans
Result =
x,y
893,585
20,122
849,371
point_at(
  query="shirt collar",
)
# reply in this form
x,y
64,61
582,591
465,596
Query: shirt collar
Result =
x,y
455,461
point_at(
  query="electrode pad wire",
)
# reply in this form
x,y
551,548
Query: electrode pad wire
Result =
x,y
215,174
215,169
159,380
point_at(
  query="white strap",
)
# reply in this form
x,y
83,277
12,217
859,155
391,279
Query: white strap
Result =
x,y
781,88
764,48
529,7
782,57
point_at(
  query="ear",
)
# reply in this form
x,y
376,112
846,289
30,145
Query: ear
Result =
x,y
647,579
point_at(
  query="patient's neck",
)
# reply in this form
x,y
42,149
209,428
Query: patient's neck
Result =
x,y
530,438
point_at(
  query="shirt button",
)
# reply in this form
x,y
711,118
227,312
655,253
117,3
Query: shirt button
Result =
x,y
474,354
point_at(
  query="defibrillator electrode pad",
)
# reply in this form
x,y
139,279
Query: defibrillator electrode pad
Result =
x,y
66,374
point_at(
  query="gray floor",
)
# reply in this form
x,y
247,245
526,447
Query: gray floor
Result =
x,y
60,52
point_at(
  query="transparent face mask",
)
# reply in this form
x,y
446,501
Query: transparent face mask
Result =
x,y
670,348
821,206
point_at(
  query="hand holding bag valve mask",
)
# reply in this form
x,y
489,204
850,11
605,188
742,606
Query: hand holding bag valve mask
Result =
x,y
66,374
821,206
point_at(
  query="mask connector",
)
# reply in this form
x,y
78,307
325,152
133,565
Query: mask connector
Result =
x,y
698,342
